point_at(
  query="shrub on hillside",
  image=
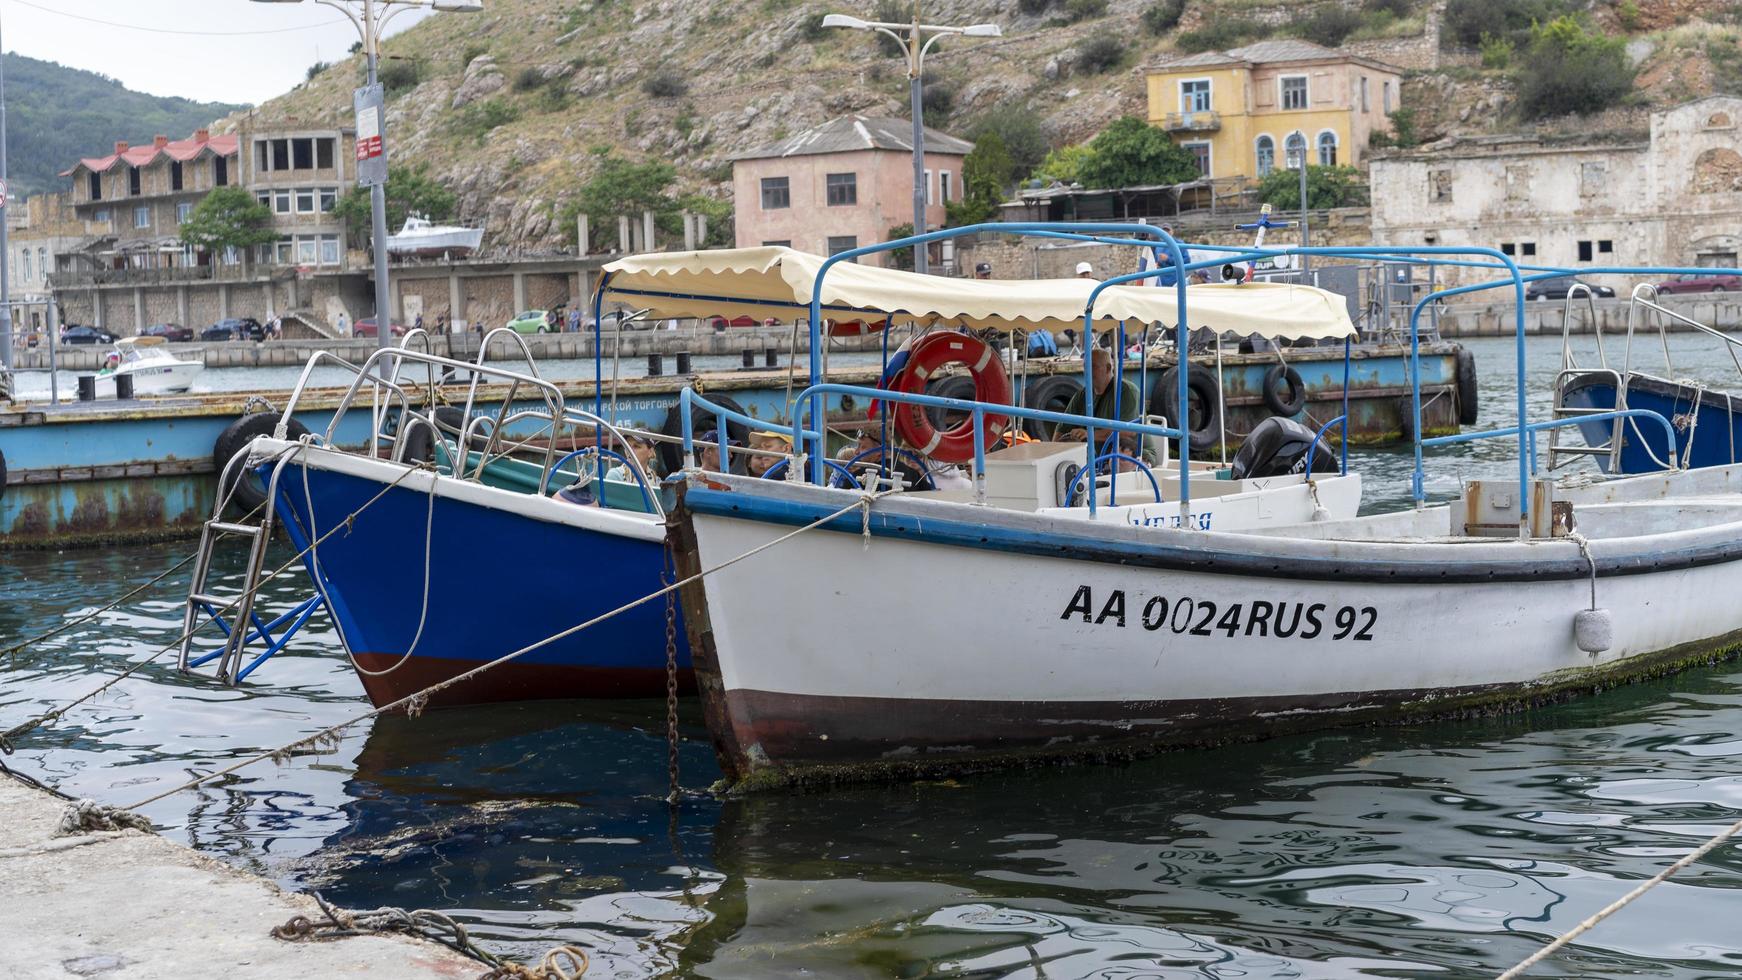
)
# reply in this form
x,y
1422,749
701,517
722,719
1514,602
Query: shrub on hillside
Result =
x,y
1100,53
470,53
399,74
1221,34
1163,16
1396,8
1076,10
317,68
1569,68
1465,21
1330,25
1034,7
665,84
529,78
478,119
892,12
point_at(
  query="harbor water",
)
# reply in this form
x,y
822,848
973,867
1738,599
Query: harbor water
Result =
x,y
1451,849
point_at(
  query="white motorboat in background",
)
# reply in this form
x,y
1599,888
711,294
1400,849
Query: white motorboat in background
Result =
x,y
154,370
420,237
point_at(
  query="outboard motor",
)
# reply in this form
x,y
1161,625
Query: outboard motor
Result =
x,y
1278,446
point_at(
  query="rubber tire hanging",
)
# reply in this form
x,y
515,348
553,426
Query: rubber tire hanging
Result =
x,y
1204,402
1469,402
671,453
1050,393
1277,376
250,492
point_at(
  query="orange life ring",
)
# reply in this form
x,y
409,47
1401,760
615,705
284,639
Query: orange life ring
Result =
x,y
932,353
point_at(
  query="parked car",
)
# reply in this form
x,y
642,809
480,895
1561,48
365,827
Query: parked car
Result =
x,y
78,334
366,328
531,321
1557,287
1694,282
168,331
743,320
235,328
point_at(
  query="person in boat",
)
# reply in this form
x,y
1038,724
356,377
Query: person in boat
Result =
x,y
708,456
643,452
771,448
1121,402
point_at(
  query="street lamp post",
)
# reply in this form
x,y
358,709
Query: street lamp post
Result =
x,y
371,18
916,43
5,248
1299,161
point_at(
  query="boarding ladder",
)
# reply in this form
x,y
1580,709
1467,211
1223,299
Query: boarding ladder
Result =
x,y
1557,453
205,606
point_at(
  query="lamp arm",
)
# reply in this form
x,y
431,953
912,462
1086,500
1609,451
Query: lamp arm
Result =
x,y
362,32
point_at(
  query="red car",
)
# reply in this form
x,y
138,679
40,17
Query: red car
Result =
x,y
1699,283
168,331
366,328
721,323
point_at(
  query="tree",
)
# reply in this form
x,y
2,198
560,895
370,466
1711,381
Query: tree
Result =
x,y
1064,164
1132,153
228,217
1327,187
901,258
623,187
1568,68
986,174
1020,132
409,189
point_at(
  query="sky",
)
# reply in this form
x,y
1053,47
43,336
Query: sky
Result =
x,y
209,50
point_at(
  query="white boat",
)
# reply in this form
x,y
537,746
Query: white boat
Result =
x,y
421,237
154,370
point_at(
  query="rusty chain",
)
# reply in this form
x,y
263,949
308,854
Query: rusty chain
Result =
x,y
665,577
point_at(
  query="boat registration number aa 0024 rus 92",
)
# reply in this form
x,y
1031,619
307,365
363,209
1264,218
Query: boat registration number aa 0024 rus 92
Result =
x,y
1205,617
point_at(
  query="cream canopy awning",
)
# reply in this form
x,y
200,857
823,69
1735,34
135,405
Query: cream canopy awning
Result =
x,y
774,281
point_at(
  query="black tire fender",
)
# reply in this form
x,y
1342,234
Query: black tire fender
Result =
x,y
2,476
1050,393
419,441
249,492
1206,429
671,453
1469,403
1275,379
949,386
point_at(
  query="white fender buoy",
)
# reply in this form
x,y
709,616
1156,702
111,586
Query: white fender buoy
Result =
x,y
1594,630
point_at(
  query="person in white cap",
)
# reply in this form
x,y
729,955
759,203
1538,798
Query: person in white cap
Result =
x,y
1085,270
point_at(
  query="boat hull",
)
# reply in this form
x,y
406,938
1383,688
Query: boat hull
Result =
x,y
578,562
168,378
1011,637
1708,424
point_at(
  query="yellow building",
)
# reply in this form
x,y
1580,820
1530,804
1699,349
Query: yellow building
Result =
x,y
1246,111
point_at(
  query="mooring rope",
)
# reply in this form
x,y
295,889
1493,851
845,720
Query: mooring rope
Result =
x,y
30,725
1622,902
561,963
415,702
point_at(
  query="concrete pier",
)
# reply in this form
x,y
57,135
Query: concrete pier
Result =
x,y
135,906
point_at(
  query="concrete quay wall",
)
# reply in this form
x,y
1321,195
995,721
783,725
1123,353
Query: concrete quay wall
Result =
x,y
1722,311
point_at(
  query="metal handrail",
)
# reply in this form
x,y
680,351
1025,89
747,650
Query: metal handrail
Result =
x,y
1532,428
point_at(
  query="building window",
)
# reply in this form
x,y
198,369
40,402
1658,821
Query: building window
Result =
x,y
220,172
101,215
944,186
329,198
280,155
1294,91
305,201
776,193
843,189
1507,248
329,250
1605,247
929,197
190,256
1200,155
262,156
1294,150
302,154
1327,149
284,245
1264,153
1593,178
1194,95
175,175
1364,106
1585,251
281,202
27,276
94,184
231,256
324,153
183,211
1439,186
132,181
142,217
264,197
1518,182
842,243
1385,94
263,254
42,261
305,249
1527,249
783,243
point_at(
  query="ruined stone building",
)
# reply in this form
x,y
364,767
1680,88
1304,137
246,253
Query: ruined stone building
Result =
x,y
1672,196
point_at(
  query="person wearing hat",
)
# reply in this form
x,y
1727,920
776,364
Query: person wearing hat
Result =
x,y
709,457
983,270
1085,270
771,448
1106,394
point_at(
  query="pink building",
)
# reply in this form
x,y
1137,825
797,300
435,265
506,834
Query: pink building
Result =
x,y
841,185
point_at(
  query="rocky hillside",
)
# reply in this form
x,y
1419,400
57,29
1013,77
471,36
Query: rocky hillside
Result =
x,y
506,107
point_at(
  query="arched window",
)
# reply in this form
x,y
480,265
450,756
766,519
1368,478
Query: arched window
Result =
x,y
42,262
1294,150
1265,150
1327,149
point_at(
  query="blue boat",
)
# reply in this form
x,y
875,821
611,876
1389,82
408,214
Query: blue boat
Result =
x,y
1707,423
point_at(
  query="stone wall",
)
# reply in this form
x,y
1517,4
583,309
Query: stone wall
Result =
x,y
489,299
1421,51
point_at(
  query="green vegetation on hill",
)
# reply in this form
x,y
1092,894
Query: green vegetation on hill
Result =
x,y
55,115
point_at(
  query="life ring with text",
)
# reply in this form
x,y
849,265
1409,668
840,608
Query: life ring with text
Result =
x,y
930,356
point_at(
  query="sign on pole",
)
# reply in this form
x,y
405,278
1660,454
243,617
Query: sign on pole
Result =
x,y
2,193
371,153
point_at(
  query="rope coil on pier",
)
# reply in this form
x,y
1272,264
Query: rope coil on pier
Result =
x,y
86,816
561,963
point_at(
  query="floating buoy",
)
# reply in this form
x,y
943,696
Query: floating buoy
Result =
x,y
930,355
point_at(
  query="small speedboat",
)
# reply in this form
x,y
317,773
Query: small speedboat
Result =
x,y
154,370
421,237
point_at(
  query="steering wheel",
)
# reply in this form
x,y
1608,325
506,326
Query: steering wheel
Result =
x,y
923,483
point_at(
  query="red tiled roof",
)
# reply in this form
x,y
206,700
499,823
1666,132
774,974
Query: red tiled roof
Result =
x,y
139,156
